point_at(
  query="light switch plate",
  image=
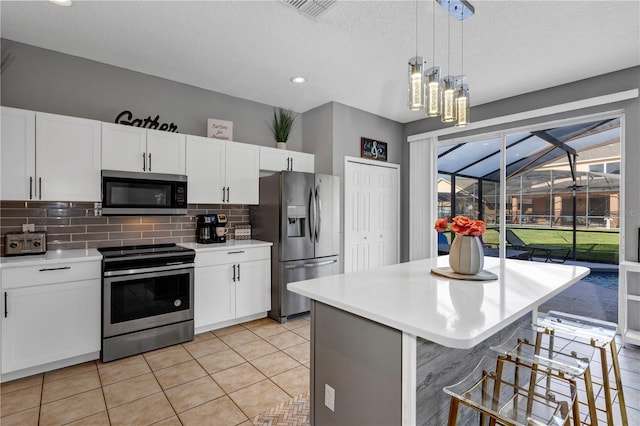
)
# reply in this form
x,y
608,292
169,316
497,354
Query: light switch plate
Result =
x,y
329,397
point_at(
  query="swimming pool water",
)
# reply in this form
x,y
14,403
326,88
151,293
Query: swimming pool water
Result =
x,y
603,279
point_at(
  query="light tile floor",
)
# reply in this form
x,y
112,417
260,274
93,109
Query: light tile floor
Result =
x,y
224,377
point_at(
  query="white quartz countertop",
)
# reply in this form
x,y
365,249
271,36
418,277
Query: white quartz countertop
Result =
x,y
53,256
229,244
453,313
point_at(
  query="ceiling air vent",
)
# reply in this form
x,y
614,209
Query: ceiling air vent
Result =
x,y
310,8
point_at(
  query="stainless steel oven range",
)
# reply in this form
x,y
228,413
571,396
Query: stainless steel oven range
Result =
x,y
147,298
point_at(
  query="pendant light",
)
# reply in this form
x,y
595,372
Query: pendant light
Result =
x,y
434,89
416,83
448,112
416,76
462,104
448,99
462,98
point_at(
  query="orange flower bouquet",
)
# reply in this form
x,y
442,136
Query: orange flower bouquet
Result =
x,y
461,225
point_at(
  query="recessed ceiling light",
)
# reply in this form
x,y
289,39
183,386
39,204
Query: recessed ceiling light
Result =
x,y
298,80
61,2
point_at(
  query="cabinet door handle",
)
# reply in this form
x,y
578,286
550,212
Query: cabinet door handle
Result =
x,y
288,163
149,161
31,187
40,188
144,162
55,269
234,273
6,312
291,163
235,252
228,200
238,272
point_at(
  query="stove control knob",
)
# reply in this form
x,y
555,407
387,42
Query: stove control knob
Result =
x,y
36,243
177,303
13,245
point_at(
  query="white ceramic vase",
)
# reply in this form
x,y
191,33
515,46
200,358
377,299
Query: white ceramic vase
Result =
x,y
466,255
281,145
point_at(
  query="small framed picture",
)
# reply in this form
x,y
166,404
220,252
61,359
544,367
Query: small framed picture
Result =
x,y
220,129
373,149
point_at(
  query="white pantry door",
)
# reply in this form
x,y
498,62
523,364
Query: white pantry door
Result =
x,y
371,215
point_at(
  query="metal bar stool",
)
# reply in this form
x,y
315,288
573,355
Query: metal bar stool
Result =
x,y
600,335
561,358
499,393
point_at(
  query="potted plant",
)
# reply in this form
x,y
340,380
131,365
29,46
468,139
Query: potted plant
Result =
x,y
281,126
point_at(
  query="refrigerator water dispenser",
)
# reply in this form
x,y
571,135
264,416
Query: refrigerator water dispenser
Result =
x,y
296,219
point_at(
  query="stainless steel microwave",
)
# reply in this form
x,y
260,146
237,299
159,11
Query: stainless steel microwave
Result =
x,y
137,193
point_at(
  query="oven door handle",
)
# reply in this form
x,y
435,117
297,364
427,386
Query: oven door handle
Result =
x,y
147,270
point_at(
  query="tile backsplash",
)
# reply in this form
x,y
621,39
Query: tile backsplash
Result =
x,y
77,225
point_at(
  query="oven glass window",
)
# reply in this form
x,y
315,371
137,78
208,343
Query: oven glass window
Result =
x,y
131,193
140,298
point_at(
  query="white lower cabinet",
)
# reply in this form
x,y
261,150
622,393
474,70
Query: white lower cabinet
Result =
x,y
50,313
215,297
231,284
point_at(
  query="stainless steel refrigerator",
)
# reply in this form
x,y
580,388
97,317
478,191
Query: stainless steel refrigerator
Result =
x,y
300,214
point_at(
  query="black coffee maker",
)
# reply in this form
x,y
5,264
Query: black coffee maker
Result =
x,y
211,228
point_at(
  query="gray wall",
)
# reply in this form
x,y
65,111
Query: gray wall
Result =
x,y
48,81
597,86
317,136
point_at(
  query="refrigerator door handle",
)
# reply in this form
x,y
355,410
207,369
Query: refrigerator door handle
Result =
x,y
311,265
318,214
312,211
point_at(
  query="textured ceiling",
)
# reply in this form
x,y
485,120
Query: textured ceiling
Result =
x,y
355,53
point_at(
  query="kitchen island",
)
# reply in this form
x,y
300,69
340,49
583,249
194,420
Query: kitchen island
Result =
x,y
385,341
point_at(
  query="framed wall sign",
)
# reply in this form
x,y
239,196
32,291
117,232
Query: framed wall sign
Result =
x,y
373,149
220,129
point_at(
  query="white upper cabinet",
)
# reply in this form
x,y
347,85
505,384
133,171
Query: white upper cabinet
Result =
x,y
123,147
49,157
205,170
273,159
222,172
242,173
135,149
67,158
18,154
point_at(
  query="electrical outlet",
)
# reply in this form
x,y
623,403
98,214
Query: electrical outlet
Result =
x,y
329,397
28,227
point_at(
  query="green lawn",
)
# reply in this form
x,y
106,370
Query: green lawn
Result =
x,y
591,245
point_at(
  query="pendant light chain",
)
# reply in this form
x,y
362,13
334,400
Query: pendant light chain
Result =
x,y
416,28
462,45
433,15
449,43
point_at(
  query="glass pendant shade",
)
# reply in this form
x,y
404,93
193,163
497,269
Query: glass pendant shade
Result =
x,y
448,99
433,93
416,83
462,106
